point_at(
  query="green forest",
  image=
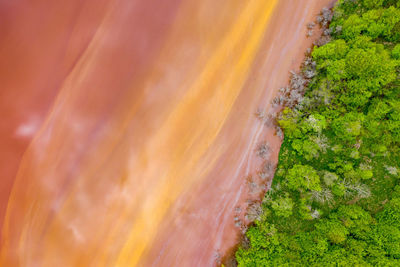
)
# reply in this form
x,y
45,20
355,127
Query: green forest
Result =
x,y
335,197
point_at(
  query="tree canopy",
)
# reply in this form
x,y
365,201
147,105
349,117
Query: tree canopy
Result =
x,y
335,197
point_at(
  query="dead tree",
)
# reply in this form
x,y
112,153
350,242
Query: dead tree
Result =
x,y
310,25
263,150
254,212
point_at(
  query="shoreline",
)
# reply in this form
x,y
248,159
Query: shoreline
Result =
x,y
165,138
228,258
270,131
236,192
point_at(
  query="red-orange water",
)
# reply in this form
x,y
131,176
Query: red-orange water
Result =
x,y
128,126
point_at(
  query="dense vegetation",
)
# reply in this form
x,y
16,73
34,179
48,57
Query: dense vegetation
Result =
x,y
335,198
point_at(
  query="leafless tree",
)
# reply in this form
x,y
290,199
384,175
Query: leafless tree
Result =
x,y
327,14
284,90
297,81
310,25
296,96
279,132
263,175
325,17
244,229
365,166
310,73
263,150
267,166
238,210
271,120
327,32
254,211
238,224
361,190
307,61
276,100
392,170
324,197
358,189
245,242
358,144
315,214
217,257
322,41
261,114
321,141
253,187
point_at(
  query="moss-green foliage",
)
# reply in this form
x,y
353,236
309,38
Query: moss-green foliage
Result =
x,y
335,198
283,206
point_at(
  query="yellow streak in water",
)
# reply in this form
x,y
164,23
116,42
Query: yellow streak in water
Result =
x,y
185,129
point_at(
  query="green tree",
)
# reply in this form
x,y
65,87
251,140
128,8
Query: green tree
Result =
x,y
303,177
283,206
396,52
347,130
348,127
335,231
370,4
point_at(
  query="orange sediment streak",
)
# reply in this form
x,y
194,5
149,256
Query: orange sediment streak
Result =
x,y
140,159
182,130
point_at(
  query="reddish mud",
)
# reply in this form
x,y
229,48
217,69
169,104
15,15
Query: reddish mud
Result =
x,y
143,126
39,46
